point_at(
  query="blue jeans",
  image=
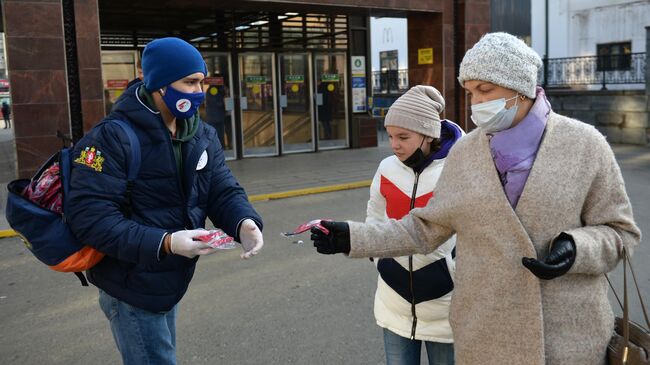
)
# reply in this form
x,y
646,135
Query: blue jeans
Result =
x,y
404,351
142,337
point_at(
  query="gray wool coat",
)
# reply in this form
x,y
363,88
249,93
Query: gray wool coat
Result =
x,y
500,312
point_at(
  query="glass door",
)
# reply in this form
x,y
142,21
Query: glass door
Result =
x,y
217,110
331,100
118,68
295,103
257,103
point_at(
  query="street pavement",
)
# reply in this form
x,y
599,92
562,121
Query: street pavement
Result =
x,y
7,169
7,155
288,305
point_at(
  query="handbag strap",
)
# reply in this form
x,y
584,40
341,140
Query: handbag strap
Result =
x,y
626,259
643,307
626,323
624,306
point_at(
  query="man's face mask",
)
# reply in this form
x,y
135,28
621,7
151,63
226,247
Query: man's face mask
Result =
x,y
182,105
492,116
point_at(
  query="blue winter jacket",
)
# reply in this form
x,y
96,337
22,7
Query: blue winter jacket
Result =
x,y
163,200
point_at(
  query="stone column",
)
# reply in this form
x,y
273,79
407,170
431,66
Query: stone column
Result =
x,y
363,128
37,75
90,62
647,62
474,19
647,82
435,31
425,33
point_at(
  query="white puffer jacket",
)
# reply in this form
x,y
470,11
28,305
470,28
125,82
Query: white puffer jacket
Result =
x,y
390,196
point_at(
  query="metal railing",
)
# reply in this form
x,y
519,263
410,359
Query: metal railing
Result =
x,y
562,72
594,70
390,81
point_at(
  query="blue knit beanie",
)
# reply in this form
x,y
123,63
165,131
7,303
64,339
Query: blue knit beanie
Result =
x,y
166,60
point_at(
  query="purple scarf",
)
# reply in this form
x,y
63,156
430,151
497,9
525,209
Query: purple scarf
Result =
x,y
449,134
514,150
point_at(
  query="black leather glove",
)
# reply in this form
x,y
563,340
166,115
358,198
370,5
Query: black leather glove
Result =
x,y
558,261
337,241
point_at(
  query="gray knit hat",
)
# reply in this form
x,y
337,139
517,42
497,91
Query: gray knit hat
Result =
x,y
504,60
418,110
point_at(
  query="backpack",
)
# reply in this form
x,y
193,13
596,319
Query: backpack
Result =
x,y
36,210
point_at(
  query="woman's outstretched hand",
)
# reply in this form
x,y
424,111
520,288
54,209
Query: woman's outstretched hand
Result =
x,y
336,241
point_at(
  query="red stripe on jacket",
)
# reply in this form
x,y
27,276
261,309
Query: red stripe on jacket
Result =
x,y
398,203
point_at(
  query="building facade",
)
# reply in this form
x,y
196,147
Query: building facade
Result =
x,y
589,27
595,68
284,76
593,44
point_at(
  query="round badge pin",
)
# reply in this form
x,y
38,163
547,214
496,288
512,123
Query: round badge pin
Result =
x,y
203,160
183,105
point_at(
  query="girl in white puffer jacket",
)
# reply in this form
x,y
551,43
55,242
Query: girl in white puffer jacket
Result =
x,y
414,292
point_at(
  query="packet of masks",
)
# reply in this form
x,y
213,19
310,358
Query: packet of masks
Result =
x,y
218,239
307,226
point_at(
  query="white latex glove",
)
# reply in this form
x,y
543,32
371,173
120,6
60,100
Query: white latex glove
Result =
x,y
251,238
183,243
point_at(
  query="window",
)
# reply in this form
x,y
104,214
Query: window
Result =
x,y
388,62
614,56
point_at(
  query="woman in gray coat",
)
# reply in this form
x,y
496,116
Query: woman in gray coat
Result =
x,y
539,207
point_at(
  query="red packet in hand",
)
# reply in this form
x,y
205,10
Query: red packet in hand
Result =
x,y
307,226
218,239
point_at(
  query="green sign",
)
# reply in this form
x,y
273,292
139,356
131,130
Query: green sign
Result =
x,y
255,79
296,79
329,77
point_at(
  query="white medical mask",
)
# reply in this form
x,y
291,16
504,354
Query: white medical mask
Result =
x,y
492,116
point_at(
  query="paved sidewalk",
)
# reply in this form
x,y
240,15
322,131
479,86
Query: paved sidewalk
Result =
x,y
7,155
7,169
307,170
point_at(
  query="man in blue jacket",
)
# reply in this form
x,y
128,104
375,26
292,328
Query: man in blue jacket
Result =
x,y
149,235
